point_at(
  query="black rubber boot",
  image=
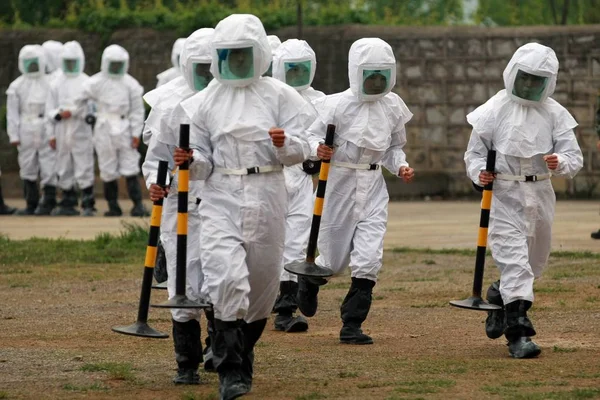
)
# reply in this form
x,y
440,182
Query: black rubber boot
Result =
x,y
252,332
4,209
111,193
88,202
228,348
66,207
354,310
519,329
285,307
308,291
209,365
135,194
160,269
495,323
48,201
188,352
596,235
32,198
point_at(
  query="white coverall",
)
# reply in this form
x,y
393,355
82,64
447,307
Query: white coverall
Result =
x,y
74,146
522,132
52,51
25,107
369,131
120,116
164,123
175,71
243,216
299,184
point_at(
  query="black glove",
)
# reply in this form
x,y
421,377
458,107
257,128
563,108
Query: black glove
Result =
x,y
57,117
90,119
311,167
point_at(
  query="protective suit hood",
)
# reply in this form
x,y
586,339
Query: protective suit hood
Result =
x,y
29,52
196,49
535,59
239,31
370,54
274,42
116,53
72,51
294,50
176,53
52,50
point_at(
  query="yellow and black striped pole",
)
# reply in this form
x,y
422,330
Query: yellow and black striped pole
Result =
x,y
308,267
180,300
141,327
476,302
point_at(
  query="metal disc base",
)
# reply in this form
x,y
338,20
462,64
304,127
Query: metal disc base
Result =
x,y
140,329
305,268
181,301
475,303
160,286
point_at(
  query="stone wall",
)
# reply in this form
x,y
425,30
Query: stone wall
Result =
x,y
443,73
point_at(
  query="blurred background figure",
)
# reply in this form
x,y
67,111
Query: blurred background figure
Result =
x,y
173,72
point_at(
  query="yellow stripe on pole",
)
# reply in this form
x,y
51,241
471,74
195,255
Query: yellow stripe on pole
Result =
x,y
482,237
155,217
150,256
486,201
184,178
324,172
182,223
318,206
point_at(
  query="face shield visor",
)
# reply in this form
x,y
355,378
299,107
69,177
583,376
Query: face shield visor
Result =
x,y
375,81
71,66
297,73
528,86
116,68
236,63
31,65
201,75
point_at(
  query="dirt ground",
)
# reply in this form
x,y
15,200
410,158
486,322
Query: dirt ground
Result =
x,y
56,341
434,224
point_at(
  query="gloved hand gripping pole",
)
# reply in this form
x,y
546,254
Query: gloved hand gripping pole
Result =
x,y
140,327
476,302
309,267
180,300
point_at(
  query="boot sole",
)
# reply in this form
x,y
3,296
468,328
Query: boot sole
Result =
x,y
532,354
297,326
355,342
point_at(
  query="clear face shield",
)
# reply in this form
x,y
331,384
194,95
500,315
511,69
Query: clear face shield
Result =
x,y
116,68
529,86
297,73
71,66
236,63
375,81
31,65
201,74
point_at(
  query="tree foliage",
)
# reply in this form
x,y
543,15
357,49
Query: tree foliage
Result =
x,y
538,12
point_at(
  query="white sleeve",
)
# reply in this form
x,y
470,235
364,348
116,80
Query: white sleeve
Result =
x,y
13,116
52,109
476,157
570,158
136,110
394,157
202,165
157,151
295,115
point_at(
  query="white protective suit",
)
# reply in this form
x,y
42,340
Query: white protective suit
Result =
x,y
242,213
163,122
120,116
52,51
369,133
274,42
522,132
175,71
25,106
74,146
299,184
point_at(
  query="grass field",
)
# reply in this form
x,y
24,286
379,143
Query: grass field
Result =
x,y
59,299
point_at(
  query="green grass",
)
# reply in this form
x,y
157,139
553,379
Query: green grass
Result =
x,y
345,374
423,386
3,395
558,349
573,255
93,387
118,371
311,396
126,247
194,396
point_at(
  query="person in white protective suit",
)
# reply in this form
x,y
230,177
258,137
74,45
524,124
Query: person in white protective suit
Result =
x,y
70,134
52,51
163,123
244,127
175,71
370,134
118,127
25,104
295,63
533,137
274,42
5,209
